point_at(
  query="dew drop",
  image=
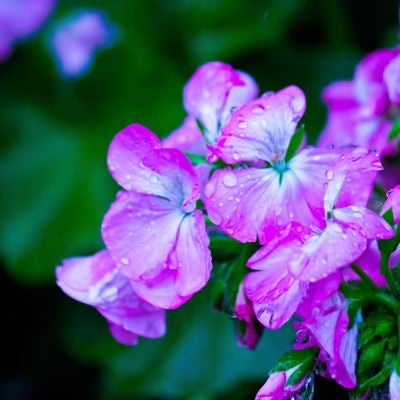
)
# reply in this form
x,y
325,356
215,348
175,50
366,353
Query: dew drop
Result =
x,y
329,174
229,179
124,261
236,156
257,109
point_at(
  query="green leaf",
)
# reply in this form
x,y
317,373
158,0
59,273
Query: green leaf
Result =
x,y
295,143
295,358
395,130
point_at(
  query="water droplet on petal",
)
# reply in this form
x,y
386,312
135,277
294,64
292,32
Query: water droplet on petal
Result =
x,y
124,261
329,174
257,109
236,156
242,125
229,179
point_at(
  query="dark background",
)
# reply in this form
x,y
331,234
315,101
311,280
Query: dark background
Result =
x,y
55,186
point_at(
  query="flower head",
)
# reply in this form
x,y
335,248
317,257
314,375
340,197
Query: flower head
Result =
x,y
153,232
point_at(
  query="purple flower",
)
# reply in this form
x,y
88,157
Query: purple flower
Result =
x,y
394,386
153,232
244,312
96,281
276,387
393,202
266,192
361,111
327,325
20,19
213,92
75,41
275,293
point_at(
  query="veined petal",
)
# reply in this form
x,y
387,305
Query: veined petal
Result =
x,y
337,246
133,225
262,129
125,157
274,292
187,138
370,224
137,161
192,257
352,177
238,200
391,77
393,202
96,281
160,291
206,93
78,275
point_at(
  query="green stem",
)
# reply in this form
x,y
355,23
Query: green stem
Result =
x,y
365,278
385,300
387,273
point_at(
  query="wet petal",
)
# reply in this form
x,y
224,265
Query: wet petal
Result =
x,y
192,257
262,129
131,227
96,281
391,76
187,138
137,161
206,93
393,202
323,254
161,291
370,224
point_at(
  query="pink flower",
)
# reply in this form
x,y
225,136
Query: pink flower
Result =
x,y
96,281
393,202
328,325
187,138
275,293
266,192
153,232
243,310
361,111
76,40
276,387
213,92
19,19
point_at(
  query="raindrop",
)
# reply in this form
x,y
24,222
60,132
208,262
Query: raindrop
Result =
x,y
257,109
297,104
124,261
236,156
229,179
329,174
242,125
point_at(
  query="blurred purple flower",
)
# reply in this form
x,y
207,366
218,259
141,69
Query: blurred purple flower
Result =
x,y
361,111
75,41
20,19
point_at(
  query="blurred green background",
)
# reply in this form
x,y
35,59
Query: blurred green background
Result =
x,y
55,186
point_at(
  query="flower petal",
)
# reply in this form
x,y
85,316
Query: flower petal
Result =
x,y
262,129
131,227
322,255
370,224
192,255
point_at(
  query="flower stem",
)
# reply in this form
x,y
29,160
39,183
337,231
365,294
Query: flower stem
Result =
x,y
365,278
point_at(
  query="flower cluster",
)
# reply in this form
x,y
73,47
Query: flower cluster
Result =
x,y
319,244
